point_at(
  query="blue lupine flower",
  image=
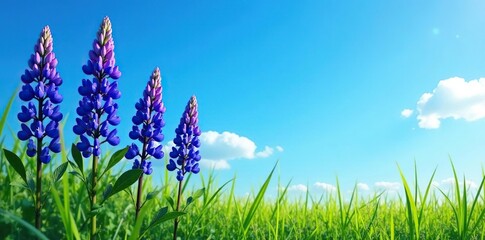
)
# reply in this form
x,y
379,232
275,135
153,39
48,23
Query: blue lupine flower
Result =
x,y
31,148
97,109
185,155
40,85
148,117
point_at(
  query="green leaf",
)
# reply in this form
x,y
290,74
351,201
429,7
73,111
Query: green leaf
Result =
x,y
153,194
198,193
77,174
115,158
171,202
189,201
125,180
107,191
59,171
166,217
78,158
31,184
162,216
159,214
16,163
20,185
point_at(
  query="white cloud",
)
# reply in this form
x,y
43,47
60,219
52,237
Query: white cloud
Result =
x,y
448,181
471,184
215,164
452,98
279,148
363,186
406,113
451,183
389,186
226,145
325,186
217,149
168,147
298,188
265,153
211,164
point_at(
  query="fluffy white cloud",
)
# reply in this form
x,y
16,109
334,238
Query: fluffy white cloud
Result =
x,y
406,113
448,181
226,145
298,188
452,98
265,153
218,148
215,164
279,148
451,183
325,186
363,186
389,186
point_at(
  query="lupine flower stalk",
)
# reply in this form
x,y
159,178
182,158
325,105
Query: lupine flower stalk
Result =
x,y
147,129
40,92
97,110
185,156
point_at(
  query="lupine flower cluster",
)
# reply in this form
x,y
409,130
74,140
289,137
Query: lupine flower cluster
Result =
x,y
40,85
99,95
97,117
185,155
148,123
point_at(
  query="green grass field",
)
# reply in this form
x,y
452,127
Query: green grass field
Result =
x,y
214,212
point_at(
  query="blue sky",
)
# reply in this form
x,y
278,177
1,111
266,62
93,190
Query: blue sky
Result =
x,y
319,85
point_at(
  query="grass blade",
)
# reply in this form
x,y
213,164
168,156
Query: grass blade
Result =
x,y
25,224
7,110
256,203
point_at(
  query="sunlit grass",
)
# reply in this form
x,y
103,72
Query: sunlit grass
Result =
x,y
216,212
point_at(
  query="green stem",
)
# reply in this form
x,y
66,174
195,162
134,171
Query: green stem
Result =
x,y
140,180
38,192
176,221
93,197
138,197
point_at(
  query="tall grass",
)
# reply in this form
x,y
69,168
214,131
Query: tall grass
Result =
x,y
216,212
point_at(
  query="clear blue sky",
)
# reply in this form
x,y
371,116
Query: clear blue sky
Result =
x,y
324,80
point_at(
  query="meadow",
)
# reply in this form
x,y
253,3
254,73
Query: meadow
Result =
x,y
65,189
215,212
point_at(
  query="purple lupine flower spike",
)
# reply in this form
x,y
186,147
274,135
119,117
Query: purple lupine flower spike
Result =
x,y
40,85
185,156
97,109
148,123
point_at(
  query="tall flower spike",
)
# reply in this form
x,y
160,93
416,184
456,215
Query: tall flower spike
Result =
x,y
41,82
97,109
148,123
40,92
185,156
